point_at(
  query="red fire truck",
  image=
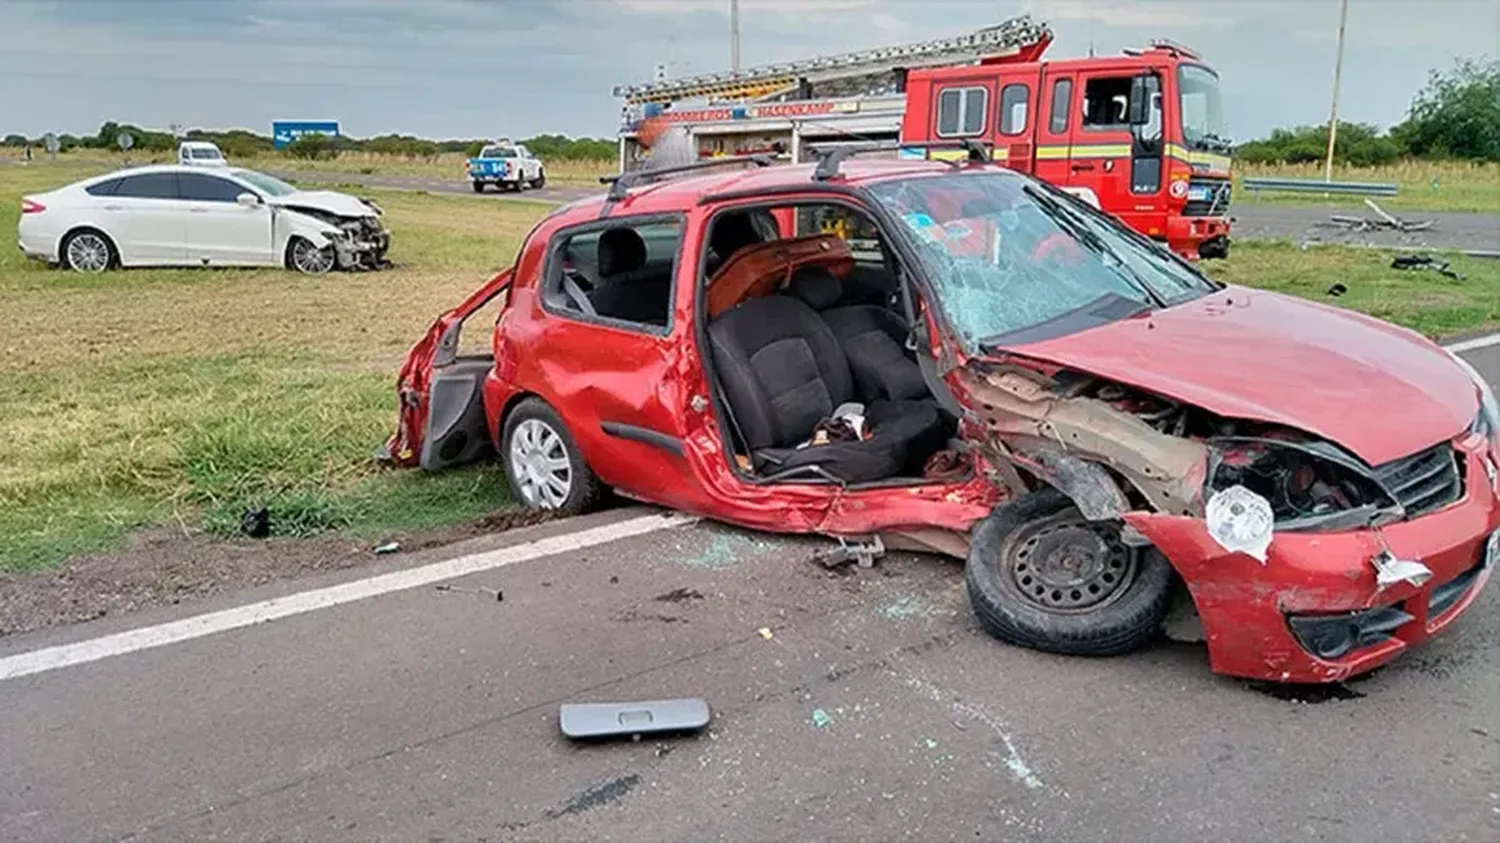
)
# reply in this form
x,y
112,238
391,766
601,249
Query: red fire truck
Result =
x,y
1139,134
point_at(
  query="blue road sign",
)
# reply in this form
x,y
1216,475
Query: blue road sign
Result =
x,y
283,132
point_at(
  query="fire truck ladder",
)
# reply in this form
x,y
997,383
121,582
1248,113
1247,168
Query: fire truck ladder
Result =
x,y
774,79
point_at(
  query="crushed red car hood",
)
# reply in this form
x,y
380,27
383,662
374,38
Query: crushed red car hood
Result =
x,y
1378,390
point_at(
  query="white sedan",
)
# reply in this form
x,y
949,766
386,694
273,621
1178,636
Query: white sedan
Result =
x,y
174,215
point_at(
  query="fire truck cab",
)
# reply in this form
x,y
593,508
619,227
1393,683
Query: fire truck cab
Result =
x,y
1140,135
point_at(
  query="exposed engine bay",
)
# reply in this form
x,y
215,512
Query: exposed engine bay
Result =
x,y
359,243
1143,439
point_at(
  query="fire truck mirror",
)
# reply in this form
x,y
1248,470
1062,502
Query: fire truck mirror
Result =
x,y
1138,110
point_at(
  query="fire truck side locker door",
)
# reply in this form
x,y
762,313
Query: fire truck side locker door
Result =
x,y
1017,112
1102,141
1056,115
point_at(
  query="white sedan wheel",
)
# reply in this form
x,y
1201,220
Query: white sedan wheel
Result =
x,y
87,251
309,259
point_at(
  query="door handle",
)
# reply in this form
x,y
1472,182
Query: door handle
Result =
x,y
197,210
111,207
1081,167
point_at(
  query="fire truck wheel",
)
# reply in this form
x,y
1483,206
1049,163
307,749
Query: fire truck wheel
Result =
x,y
1215,249
1039,575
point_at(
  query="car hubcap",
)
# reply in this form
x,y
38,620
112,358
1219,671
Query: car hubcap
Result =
x,y
88,253
310,259
1068,565
539,462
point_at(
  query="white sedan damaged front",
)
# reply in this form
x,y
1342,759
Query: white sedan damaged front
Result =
x,y
319,238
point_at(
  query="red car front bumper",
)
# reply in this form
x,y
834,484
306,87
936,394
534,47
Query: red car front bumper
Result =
x,y
1314,611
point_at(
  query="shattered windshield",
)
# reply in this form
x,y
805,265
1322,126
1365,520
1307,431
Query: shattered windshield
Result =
x,y
1014,261
266,184
1202,108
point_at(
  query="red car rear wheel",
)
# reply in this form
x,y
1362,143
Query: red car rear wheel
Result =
x,y
545,468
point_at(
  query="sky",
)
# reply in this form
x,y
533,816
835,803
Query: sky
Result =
x,y
516,68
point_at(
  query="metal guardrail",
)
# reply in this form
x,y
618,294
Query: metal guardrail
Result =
x,y
1256,184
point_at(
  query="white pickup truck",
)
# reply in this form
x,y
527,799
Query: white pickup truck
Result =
x,y
508,165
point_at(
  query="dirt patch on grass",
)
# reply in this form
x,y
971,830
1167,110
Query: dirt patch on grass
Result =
x,y
169,566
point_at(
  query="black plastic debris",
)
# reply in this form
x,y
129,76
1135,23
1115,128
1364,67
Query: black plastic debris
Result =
x,y
1425,262
1337,290
256,523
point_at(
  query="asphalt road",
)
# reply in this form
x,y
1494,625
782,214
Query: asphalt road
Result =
x,y
1253,220
876,710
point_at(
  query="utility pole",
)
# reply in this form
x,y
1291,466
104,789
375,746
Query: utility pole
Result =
x,y
1333,110
734,35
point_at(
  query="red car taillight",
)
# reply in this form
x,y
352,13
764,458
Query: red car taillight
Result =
x,y
30,207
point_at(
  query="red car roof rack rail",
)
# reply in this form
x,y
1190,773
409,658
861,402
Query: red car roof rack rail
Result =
x,y
619,185
829,161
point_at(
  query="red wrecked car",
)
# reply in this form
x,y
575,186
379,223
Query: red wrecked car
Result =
x,y
957,357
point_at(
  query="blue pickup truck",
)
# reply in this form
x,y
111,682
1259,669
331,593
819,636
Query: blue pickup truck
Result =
x,y
506,165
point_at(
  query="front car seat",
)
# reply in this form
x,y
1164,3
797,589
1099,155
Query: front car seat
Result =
x,y
783,371
873,338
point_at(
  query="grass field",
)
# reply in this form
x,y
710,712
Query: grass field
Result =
x,y
1423,185
184,397
161,397
559,171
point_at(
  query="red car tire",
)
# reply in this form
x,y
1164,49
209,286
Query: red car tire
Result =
x,y
532,446
1041,576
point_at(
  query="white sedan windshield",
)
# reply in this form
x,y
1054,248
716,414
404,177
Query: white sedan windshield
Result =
x,y
267,184
1013,261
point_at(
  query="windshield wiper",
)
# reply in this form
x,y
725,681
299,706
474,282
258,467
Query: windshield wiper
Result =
x,y
1104,309
1064,219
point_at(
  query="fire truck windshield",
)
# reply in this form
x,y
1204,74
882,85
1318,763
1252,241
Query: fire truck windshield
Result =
x,y
1014,260
1202,108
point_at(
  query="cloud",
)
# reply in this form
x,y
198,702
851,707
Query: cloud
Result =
x,y
470,68
747,7
1147,14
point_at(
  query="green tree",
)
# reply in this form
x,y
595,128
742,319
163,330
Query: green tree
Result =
x,y
311,146
1359,144
1457,114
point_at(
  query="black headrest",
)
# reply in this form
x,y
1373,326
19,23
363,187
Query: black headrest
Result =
x,y
816,285
732,232
621,250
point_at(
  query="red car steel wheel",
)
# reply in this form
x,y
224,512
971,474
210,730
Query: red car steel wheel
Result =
x,y
1041,576
1065,564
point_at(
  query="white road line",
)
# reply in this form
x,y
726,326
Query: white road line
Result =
x,y
67,655
1473,344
